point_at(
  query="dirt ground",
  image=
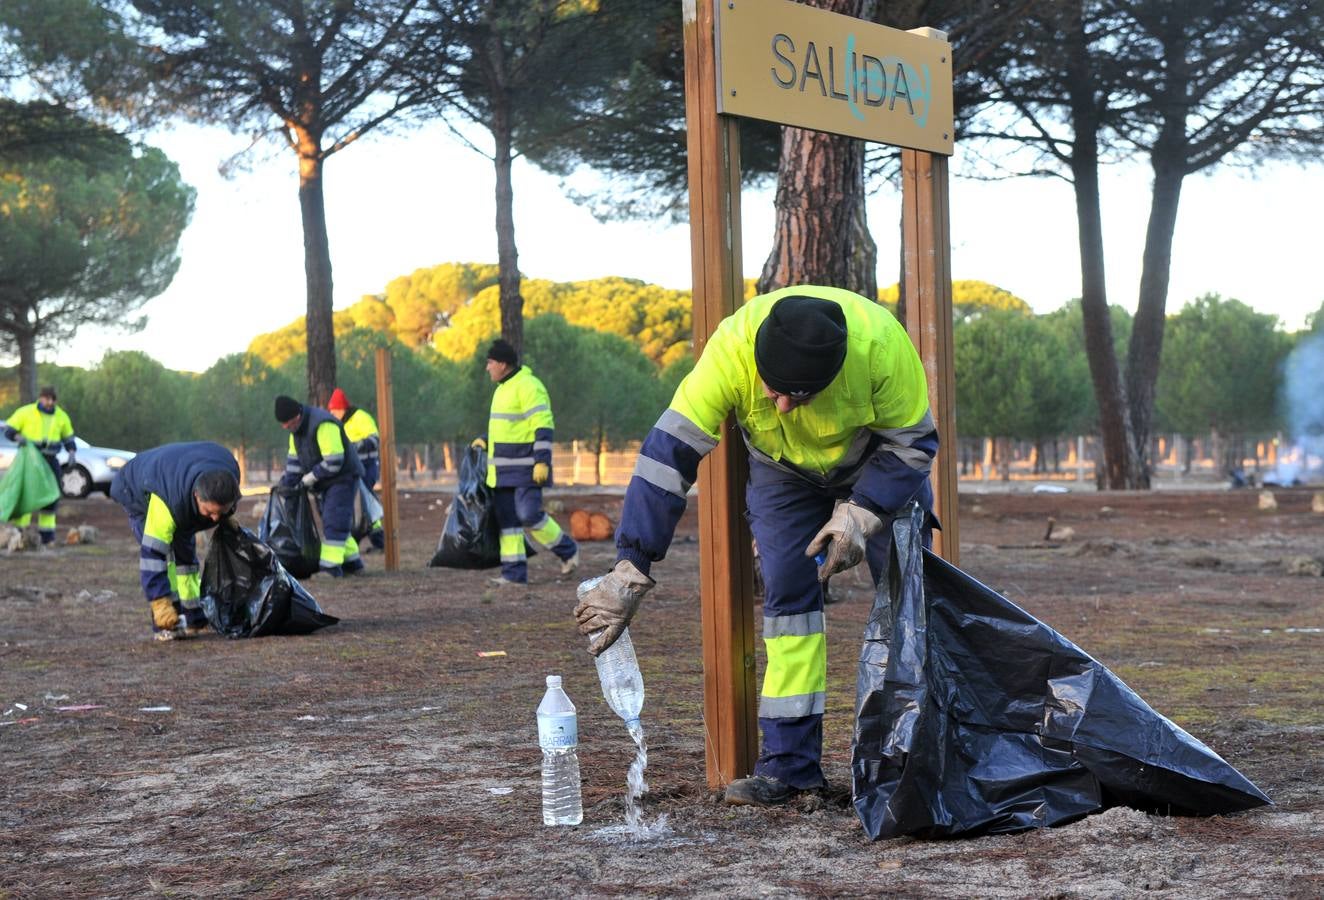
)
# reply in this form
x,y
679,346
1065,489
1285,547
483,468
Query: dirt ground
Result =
x,y
385,757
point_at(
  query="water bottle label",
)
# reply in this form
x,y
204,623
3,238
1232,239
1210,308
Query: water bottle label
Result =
x,y
557,732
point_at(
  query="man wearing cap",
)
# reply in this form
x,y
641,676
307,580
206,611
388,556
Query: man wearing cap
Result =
x,y
361,429
171,493
47,426
322,460
831,399
519,464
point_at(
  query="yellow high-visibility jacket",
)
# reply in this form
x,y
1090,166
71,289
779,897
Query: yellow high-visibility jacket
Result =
x,y
519,430
49,431
869,432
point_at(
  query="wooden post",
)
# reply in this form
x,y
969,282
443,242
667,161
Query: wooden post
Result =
x,y
726,564
926,240
386,429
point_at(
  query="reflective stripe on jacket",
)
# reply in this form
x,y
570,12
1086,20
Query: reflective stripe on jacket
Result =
x,y
869,432
519,432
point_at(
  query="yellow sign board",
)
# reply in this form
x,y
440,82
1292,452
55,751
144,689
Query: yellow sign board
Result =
x,y
792,64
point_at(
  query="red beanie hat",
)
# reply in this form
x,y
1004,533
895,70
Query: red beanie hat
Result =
x,y
338,400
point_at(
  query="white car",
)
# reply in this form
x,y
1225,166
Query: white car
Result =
x,y
94,467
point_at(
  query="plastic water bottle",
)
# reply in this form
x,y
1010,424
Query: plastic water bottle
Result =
x,y
618,670
558,735
622,684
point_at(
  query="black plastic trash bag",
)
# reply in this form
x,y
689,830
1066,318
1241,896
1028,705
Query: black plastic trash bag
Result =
x,y
290,529
973,717
367,509
246,592
470,538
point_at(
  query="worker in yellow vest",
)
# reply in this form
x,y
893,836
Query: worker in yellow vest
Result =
x,y
46,425
832,403
519,465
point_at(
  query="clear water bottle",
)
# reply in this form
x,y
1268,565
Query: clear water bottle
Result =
x,y
622,684
618,670
558,735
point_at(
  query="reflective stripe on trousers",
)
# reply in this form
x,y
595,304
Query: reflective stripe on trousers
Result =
x,y
785,512
337,506
519,508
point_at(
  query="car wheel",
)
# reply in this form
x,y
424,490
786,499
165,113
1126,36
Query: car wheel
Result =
x,y
75,483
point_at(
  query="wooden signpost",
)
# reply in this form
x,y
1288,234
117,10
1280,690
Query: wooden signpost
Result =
x,y
795,65
386,433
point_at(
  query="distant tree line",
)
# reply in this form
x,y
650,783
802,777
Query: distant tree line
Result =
x,y
1019,376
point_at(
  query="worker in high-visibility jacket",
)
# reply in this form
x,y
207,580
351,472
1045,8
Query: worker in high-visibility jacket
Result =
x,y
46,425
171,493
361,428
831,399
322,461
519,465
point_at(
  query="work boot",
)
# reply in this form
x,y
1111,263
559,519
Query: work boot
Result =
x,y
163,634
569,565
377,539
333,571
354,567
758,790
506,582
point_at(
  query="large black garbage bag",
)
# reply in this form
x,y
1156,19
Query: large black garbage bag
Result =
x,y
246,592
470,538
367,509
290,529
973,717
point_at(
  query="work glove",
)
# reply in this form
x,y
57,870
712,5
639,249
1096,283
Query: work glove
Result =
x,y
844,536
609,602
164,616
73,458
541,472
20,441
479,444
309,480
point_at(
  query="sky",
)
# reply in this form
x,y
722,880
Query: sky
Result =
x,y
400,202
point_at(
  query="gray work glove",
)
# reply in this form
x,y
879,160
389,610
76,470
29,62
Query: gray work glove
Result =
x,y
845,536
609,602
309,480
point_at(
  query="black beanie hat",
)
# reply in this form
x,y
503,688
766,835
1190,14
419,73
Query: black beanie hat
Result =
x,y
287,408
801,345
503,352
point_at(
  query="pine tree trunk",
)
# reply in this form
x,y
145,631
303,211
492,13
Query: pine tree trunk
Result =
x,y
27,366
1119,465
317,271
1142,362
821,229
512,303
